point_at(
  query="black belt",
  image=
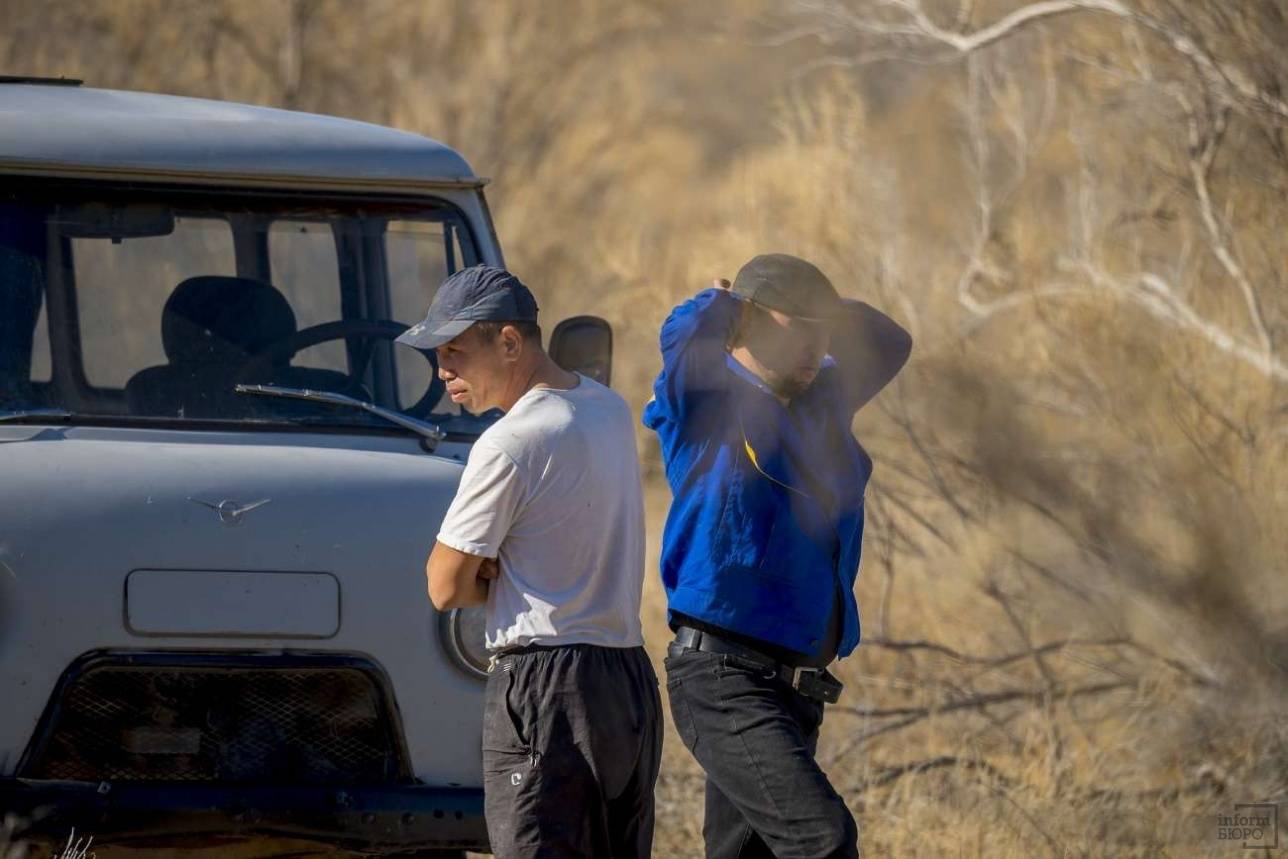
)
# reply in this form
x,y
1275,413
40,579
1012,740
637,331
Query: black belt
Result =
x,y
811,682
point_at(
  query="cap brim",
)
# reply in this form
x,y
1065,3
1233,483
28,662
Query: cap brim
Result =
x,y
424,336
794,312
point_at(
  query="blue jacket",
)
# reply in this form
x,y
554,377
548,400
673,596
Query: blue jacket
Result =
x,y
767,516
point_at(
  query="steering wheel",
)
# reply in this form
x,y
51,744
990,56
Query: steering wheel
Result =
x,y
268,360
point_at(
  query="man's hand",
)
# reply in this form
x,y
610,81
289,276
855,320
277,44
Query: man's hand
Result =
x,y
489,569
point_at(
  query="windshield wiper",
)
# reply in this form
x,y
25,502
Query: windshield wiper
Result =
x,y
22,414
423,428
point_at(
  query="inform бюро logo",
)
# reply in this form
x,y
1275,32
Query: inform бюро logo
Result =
x,y
1254,825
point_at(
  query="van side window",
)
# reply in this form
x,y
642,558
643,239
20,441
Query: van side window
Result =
x,y
24,340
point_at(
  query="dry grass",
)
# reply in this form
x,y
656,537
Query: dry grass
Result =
x,y
1073,596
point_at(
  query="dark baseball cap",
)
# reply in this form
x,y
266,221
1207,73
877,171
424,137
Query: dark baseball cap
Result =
x,y
480,293
789,285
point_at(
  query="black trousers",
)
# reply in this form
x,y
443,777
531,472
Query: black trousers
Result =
x,y
572,741
756,737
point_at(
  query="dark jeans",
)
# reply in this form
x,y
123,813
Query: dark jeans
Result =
x,y
572,741
756,737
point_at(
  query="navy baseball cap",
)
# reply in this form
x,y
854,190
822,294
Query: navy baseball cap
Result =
x,y
480,293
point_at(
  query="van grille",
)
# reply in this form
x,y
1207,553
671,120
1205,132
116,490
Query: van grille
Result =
x,y
223,722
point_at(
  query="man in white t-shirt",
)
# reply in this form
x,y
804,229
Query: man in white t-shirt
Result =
x,y
547,530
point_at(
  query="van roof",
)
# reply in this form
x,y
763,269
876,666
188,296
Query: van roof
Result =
x,y
47,129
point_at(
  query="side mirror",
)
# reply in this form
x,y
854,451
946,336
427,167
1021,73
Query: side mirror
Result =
x,y
584,344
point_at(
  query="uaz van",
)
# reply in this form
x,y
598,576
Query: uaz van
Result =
x,y
220,477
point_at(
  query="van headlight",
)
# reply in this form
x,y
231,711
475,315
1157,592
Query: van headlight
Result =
x,y
462,630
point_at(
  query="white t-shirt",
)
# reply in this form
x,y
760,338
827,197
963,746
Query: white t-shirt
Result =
x,y
552,490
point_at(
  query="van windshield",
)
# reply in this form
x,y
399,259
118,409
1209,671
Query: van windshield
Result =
x,y
131,304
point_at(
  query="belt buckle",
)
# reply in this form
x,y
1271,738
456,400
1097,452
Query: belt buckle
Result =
x,y
816,683
799,671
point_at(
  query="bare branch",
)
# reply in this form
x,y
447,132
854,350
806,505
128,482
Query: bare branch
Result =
x,y
1230,83
1008,25
1203,150
907,716
894,773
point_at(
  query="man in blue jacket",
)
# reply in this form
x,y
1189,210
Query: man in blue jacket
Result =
x,y
759,384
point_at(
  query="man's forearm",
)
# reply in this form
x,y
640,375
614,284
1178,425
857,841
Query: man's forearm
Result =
x,y
455,579
870,348
702,325
460,596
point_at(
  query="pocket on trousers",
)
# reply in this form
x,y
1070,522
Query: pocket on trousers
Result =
x,y
682,715
503,729
690,664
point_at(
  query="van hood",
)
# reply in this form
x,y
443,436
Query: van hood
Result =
x,y
85,502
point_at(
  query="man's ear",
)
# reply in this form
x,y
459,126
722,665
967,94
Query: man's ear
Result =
x,y
511,342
